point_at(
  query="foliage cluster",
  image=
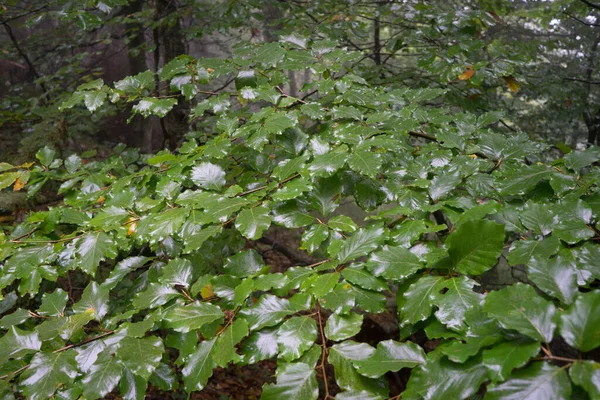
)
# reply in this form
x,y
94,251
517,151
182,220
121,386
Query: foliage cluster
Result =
x,y
150,272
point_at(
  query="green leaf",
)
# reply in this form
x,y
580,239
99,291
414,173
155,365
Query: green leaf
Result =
x,y
501,359
342,327
244,264
361,277
45,155
103,376
342,356
177,272
456,301
519,307
580,323
419,299
289,167
443,184
555,276
252,222
7,179
95,300
152,106
361,243
394,263
314,237
537,218
576,160
521,251
155,295
75,324
295,336
270,54
94,99
294,381
93,248
524,179
539,381
340,300
368,300
53,304
141,356
268,311
132,387
342,223
15,318
278,122
108,217
475,246
209,176
260,345
573,230
391,356
157,227
441,379
225,350
365,162
73,163
199,366
587,375
164,378
193,316
327,164
47,372
196,240
16,343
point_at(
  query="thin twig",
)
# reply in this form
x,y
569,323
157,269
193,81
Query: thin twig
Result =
x,y
323,351
65,348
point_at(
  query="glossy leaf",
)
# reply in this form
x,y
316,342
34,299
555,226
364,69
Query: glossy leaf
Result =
x,y
268,311
580,323
47,372
193,316
440,379
539,381
252,222
391,356
199,366
519,307
474,254
341,327
360,243
294,381
102,377
587,375
295,336
394,262
506,356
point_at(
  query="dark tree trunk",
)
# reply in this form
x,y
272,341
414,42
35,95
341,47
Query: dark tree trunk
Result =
x,y
142,127
171,40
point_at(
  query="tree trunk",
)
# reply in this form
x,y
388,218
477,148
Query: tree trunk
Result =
x,y
142,127
171,40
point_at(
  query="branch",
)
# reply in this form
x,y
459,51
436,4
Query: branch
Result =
x,y
579,20
582,80
23,55
6,21
589,3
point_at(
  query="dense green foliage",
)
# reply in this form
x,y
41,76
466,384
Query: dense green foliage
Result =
x,y
151,271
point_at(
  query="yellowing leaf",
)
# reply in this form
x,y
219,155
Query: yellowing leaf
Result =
x,y
18,185
512,83
207,292
469,71
132,228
